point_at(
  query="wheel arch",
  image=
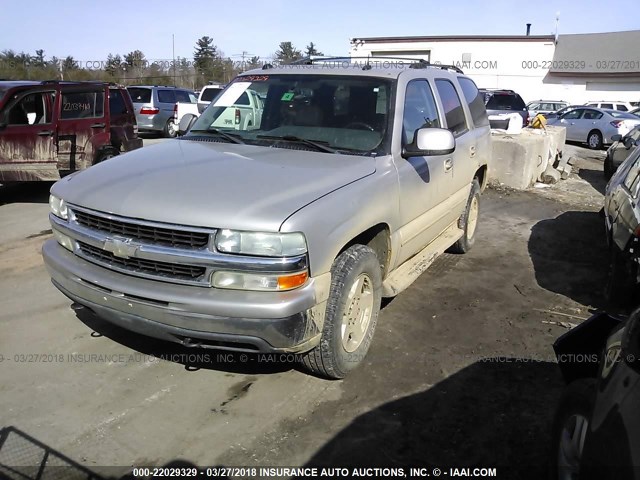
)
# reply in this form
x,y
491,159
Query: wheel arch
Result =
x,y
378,238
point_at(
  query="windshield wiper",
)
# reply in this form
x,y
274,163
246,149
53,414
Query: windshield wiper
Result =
x,y
231,137
319,145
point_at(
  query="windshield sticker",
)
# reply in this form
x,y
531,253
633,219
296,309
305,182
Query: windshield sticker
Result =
x,y
231,94
287,97
255,78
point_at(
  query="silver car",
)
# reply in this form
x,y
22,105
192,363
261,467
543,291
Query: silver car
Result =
x,y
281,236
545,107
154,107
595,126
621,148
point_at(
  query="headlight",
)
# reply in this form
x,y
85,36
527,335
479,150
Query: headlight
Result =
x,y
257,281
263,244
58,207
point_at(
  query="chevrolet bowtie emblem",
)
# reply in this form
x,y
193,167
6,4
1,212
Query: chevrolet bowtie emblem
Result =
x,y
122,248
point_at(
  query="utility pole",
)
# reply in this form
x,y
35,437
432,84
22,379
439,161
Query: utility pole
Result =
x,y
173,54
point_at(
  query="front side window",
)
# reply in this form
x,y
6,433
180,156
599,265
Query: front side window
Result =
x,y
32,109
621,107
116,103
453,111
166,96
76,105
182,96
573,114
606,105
420,110
345,113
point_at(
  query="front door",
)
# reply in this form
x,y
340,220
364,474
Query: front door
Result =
x,y
570,121
421,178
27,137
82,126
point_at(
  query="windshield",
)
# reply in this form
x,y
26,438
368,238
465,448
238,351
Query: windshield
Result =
x,y
344,113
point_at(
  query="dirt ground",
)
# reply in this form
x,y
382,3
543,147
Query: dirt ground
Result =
x,y
461,371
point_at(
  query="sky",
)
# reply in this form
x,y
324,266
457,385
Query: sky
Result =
x,y
90,30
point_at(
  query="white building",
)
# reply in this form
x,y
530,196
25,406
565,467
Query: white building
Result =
x,y
574,68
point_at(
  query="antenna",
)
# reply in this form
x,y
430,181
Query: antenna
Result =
x,y
557,21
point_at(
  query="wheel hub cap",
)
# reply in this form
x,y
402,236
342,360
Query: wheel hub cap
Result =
x,y
357,314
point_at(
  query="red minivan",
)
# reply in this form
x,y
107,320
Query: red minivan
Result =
x,y
49,129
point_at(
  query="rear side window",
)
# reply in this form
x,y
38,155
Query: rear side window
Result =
x,y
209,94
32,109
475,101
182,96
140,95
592,115
453,112
82,105
621,107
117,106
166,96
606,105
420,109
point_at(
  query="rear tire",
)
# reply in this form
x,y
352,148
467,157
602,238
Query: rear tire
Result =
x,y
594,140
351,316
170,129
469,221
106,154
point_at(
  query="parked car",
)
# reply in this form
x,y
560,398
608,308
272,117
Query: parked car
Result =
x,y
208,93
636,112
499,101
562,111
596,430
611,105
154,107
50,129
622,217
545,107
595,126
619,150
281,236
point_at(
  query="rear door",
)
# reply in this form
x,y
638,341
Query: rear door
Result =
x,y
459,166
122,119
27,141
589,121
82,125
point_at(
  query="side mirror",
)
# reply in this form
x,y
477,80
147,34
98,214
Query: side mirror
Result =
x,y
616,138
428,142
186,122
631,341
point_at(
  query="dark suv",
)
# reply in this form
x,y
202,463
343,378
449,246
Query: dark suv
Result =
x,y
48,129
504,101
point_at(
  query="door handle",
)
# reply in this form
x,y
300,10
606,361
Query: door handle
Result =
x,y
448,164
98,125
472,151
45,133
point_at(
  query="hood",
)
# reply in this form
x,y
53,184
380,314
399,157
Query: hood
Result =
x,y
210,184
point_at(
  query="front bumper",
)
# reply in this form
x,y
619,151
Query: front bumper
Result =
x,y
250,321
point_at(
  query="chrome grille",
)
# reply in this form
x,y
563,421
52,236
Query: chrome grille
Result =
x,y
145,233
138,265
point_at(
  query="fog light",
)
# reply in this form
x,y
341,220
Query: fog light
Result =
x,y
63,240
253,281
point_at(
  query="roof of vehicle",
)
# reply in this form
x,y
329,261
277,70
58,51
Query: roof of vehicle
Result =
x,y
23,83
157,86
605,101
377,66
546,101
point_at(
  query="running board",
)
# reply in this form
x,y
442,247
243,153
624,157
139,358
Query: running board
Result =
x,y
409,271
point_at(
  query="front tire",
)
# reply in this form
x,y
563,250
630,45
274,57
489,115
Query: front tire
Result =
x,y
469,221
351,315
594,140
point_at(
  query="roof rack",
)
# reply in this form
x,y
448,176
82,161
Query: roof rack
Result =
x,y
414,62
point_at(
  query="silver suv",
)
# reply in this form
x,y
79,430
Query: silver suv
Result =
x,y
282,235
154,106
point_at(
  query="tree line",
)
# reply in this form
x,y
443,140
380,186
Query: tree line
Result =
x,y
209,64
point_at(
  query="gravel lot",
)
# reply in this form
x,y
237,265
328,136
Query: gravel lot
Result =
x,y
461,371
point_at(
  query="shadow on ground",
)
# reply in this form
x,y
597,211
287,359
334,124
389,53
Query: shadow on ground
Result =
x,y
27,192
192,358
595,178
569,255
495,413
